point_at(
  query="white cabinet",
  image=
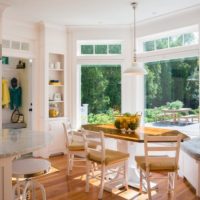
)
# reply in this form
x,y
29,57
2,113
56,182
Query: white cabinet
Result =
x,y
190,169
58,143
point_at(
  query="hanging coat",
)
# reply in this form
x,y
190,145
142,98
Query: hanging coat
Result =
x,y
5,93
15,97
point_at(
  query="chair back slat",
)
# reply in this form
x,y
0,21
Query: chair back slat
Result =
x,y
70,133
161,148
94,143
166,144
67,129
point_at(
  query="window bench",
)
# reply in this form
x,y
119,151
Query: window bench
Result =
x,y
191,162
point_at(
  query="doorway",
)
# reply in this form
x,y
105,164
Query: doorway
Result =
x,y
16,92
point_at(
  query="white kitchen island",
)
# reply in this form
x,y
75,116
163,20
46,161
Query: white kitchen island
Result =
x,y
14,142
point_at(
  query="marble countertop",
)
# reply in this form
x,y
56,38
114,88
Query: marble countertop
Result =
x,y
21,141
192,147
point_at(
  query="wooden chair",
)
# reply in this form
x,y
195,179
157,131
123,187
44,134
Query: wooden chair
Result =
x,y
155,160
75,147
106,159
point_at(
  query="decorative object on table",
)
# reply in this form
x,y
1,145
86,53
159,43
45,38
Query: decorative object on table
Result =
x,y
15,94
54,82
53,110
57,96
127,122
136,68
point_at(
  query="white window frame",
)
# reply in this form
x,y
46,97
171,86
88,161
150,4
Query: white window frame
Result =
x,y
98,42
170,53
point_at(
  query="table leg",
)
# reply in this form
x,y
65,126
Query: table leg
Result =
x,y
6,178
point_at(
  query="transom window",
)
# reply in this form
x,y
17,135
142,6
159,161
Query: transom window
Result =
x,y
171,41
94,48
182,37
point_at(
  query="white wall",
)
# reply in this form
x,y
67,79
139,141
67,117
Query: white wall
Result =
x,y
181,19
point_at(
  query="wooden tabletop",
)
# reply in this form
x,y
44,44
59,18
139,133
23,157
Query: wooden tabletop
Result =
x,y
137,136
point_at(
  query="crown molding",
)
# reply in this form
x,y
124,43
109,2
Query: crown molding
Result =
x,y
184,11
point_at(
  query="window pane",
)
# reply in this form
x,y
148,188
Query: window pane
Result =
x,y
162,43
100,49
87,49
149,46
176,41
171,83
190,38
114,49
101,90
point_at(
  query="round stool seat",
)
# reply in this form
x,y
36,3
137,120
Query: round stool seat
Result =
x,y
30,167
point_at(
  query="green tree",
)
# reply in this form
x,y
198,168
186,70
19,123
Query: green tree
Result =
x,y
101,87
93,86
153,88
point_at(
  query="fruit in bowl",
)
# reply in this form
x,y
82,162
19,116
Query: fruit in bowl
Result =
x,y
127,121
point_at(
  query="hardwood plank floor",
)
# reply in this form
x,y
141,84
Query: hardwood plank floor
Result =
x,y
61,187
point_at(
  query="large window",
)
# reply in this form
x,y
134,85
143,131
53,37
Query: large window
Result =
x,y
170,82
101,90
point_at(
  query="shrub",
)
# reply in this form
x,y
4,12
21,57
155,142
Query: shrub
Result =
x,y
175,104
103,118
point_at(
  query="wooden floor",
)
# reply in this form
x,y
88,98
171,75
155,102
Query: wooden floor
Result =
x,y
61,187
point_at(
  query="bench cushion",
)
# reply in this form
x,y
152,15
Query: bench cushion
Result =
x,y
192,147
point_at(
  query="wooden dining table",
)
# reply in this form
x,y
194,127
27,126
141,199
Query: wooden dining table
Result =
x,y
132,142
134,136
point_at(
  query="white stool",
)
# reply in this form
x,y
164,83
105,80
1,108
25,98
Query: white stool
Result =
x,y
27,169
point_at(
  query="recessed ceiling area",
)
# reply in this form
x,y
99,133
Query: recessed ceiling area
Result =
x,y
92,12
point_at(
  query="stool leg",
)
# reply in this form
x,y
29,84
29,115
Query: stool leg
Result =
x,y
27,186
41,189
33,190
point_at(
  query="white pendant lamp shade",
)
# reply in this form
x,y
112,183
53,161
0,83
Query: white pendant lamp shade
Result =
x,y
136,68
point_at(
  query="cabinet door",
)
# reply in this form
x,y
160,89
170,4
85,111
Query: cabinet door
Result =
x,y
58,141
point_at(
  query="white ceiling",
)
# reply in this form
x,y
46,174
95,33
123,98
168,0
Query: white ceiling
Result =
x,y
92,12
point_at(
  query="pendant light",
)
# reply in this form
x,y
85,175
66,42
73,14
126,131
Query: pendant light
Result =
x,y
136,68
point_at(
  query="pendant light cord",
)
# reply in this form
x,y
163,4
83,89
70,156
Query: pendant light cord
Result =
x,y
134,4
